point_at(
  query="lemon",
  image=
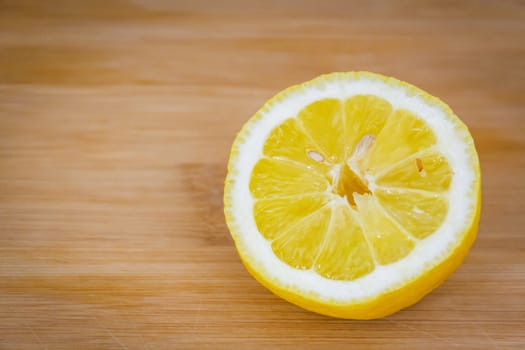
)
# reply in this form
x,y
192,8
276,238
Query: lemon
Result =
x,y
353,195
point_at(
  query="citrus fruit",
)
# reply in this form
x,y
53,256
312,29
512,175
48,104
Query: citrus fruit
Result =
x,y
353,195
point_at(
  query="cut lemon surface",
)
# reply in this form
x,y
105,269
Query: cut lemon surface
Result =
x,y
353,195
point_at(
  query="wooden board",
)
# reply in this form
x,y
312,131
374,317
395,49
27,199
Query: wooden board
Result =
x,y
116,119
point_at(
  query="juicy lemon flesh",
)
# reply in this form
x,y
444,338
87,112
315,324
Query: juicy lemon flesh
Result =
x,y
346,186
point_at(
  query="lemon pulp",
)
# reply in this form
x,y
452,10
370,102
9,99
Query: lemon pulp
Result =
x,y
347,185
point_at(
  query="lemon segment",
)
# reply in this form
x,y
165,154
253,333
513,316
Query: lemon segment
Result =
x,y
344,254
429,171
276,215
364,115
323,122
273,177
388,241
299,245
289,141
421,214
403,135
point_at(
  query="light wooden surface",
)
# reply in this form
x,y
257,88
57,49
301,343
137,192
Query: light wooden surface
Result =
x,y
116,119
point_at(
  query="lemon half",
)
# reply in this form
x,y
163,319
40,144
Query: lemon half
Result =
x,y
353,195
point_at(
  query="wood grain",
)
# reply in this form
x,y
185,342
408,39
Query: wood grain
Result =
x,y
116,119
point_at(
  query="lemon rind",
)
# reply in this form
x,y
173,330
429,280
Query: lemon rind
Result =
x,y
397,295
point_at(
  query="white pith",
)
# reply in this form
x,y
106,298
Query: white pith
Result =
x,y
427,253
